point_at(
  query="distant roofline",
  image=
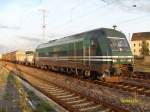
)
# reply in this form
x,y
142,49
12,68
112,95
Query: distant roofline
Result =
x,y
140,36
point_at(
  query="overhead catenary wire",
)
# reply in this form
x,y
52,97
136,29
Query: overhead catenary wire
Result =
x,y
124,21
25,16
89,13
133,19
71,16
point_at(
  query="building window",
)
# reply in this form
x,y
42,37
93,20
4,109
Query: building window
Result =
x,y
134,45
140,50
147,44
139,44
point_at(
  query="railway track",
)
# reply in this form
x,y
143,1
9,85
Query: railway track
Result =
x,y
141,76
69,99
111,107
139,86
130,86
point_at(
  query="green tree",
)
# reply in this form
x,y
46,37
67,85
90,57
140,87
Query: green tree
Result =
x,y
144,49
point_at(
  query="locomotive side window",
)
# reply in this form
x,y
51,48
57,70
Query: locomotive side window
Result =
x,y
92,42
79,48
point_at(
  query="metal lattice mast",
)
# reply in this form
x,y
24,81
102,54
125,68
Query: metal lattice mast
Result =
x,y
44,23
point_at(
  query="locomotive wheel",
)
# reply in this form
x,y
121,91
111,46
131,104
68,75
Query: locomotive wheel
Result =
x,y
69,71
49,67
94,75
55,69
76,71
41,67
87,73
45,67
62,70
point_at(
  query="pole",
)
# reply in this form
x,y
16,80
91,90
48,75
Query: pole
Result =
x,y
44,23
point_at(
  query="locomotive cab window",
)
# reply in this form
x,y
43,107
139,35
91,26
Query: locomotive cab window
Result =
x,y
117,42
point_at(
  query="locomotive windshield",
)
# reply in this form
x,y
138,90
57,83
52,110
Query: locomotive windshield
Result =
x,y
117,42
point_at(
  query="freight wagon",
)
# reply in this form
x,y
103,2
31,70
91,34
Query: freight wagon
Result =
x,y
29,59
16,56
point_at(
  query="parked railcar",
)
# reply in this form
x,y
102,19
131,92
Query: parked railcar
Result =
x,y
29,59
94,53
16,56
7,57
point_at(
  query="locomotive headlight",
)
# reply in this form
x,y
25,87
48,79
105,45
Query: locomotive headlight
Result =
x,y
120,49
92,42
129,60
114,60
123,60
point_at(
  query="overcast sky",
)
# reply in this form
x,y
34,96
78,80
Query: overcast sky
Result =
x,y
21,20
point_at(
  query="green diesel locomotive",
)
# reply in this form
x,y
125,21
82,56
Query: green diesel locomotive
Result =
x,y
100,52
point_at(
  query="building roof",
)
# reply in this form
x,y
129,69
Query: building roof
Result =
x,y
141,36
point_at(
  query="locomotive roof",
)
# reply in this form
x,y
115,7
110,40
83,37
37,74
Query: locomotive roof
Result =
x,y
141,36
75,37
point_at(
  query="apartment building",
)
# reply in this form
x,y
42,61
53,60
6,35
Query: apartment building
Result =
x,y
137,40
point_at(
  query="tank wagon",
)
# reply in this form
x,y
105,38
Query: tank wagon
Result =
x,y
96,53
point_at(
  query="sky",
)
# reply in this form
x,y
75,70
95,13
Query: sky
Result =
x,y
21,20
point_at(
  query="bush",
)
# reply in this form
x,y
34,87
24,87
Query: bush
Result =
x,y
44,107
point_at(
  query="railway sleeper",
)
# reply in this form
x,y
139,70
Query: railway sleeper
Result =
x,y
83,104
71,98
54,89
92,108
58,92
46,85
61,94
147,94
77,101
120,86
126,87
65,96
140,89
132,88
147,91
